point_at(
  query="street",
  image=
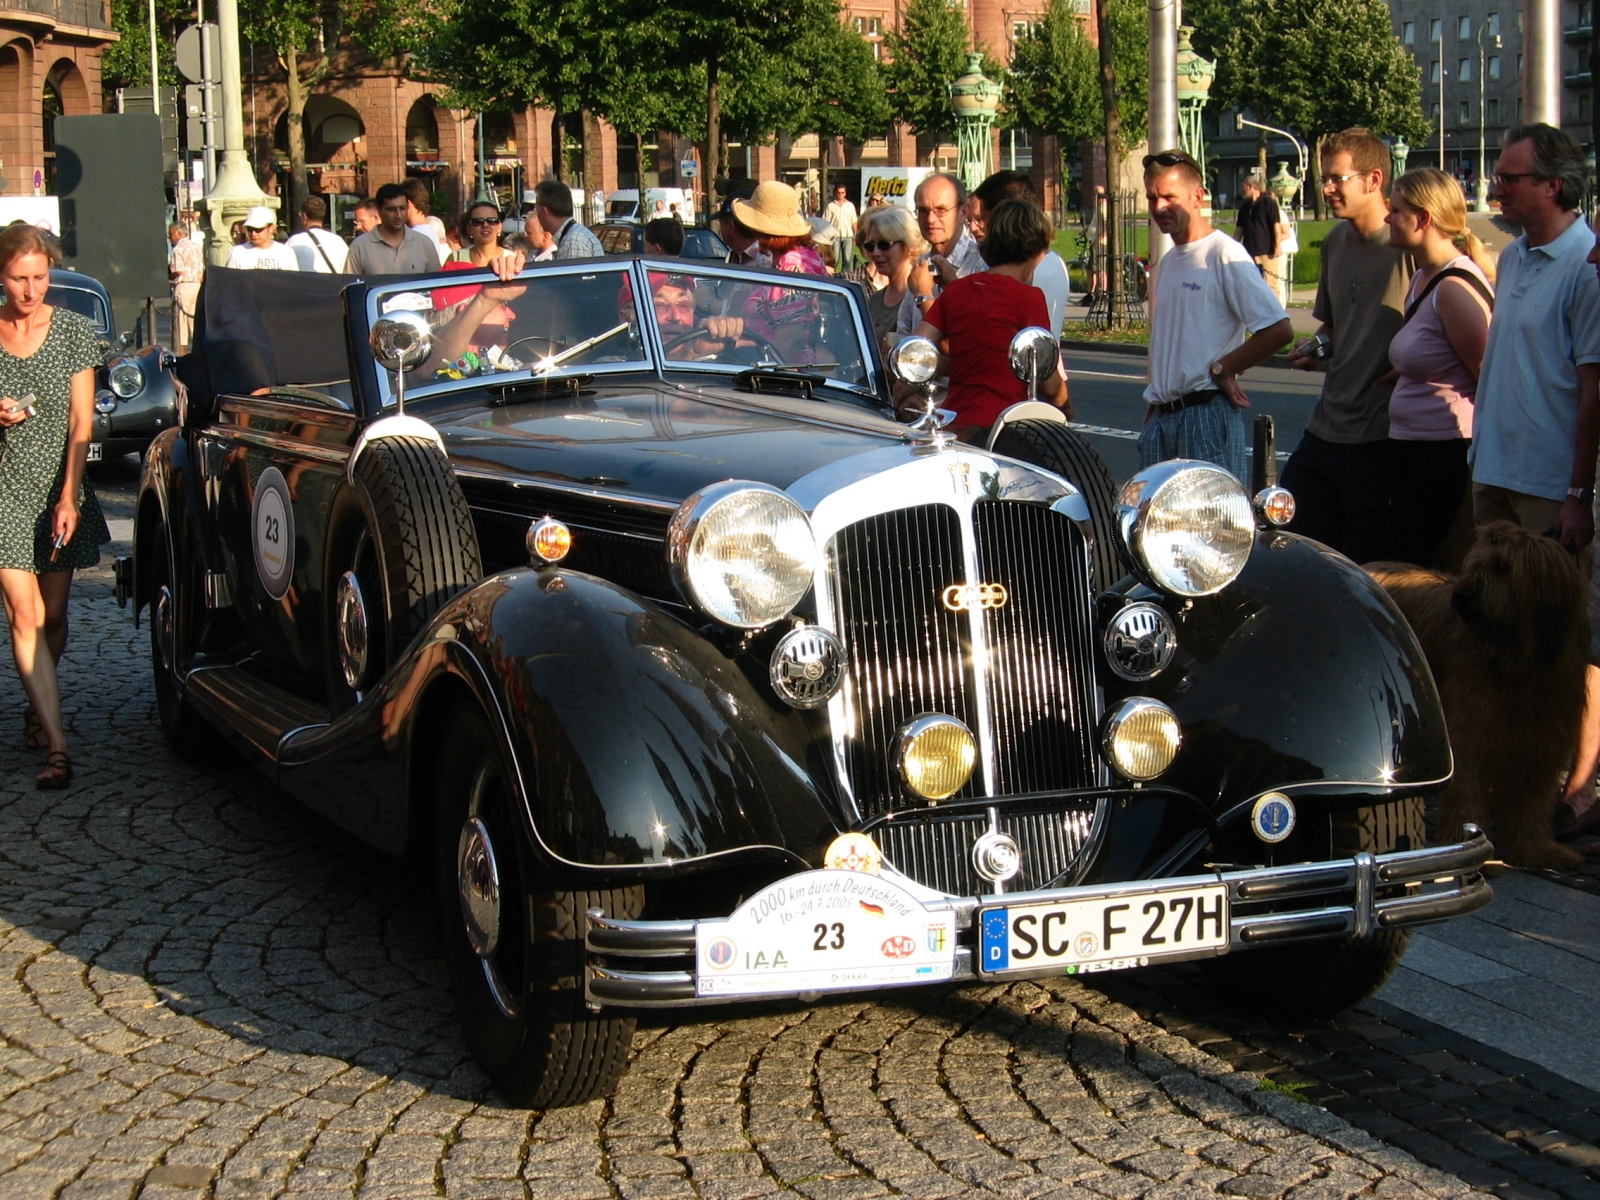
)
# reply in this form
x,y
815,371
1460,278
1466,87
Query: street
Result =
x,y
212,992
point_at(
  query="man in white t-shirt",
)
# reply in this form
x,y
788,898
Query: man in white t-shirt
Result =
x,y
262,252
841,214
1050,276
315,247
1212,317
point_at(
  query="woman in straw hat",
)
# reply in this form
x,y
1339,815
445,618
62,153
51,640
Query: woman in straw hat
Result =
x,y
773,214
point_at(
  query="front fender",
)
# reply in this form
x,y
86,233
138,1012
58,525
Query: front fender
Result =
x,y
1300,672
639,742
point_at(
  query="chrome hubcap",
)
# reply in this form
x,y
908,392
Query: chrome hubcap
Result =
x,y
478,880
162,620
351,620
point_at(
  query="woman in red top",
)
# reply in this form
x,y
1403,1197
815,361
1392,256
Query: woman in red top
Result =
x,y
974,320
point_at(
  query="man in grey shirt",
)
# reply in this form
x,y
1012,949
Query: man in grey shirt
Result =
x,y
1339,473
553,210
393,248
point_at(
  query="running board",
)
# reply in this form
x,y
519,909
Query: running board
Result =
x,y
256,715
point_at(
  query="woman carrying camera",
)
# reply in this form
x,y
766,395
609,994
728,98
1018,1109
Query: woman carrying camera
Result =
x,y
50,521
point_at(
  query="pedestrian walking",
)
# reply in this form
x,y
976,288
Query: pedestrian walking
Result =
x,y
1538,403
261,251
419,216
553,210
841,214
1438,354
1260,229
186,267
952,253
979,315
50,521
773,214
1212,317
1050,276
891,241
392,247
1339,473
315,247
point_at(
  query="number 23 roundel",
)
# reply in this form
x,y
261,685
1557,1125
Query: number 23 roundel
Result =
x,y
272,531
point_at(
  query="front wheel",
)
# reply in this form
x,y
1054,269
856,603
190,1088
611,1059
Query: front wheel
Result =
x,y
1319,979
513,937
185,730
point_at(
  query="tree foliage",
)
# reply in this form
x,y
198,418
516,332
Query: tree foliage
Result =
x,y
927,54
126,62
1052,84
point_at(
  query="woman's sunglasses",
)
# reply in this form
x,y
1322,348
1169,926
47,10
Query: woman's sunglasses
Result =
x,y
476,221
880,247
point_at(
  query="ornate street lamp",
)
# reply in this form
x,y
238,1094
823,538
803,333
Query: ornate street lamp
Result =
x,y
1195,75
974,99
1400,152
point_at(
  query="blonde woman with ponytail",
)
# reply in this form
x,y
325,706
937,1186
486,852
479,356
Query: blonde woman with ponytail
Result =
x,y
1437,356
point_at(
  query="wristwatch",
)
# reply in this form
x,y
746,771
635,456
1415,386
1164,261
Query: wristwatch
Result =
x,y
1584,495
928,299
1218,370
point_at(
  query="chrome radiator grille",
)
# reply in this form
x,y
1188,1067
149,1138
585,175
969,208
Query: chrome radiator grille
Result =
x,y
938,851
909,655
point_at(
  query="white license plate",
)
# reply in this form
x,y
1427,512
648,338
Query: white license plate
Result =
x,y
1102,933
824,931
94,451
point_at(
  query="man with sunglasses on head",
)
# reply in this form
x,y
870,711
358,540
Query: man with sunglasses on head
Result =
x,y
1212,317
1339,473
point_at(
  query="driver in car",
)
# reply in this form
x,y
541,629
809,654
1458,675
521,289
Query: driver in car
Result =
x,y
673,298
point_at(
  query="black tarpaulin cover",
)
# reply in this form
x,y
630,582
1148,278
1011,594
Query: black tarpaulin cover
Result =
x,y
260,329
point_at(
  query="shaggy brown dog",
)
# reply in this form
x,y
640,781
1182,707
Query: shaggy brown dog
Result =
x,y
1507,640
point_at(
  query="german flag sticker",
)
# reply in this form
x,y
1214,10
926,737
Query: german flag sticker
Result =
x,y
874,909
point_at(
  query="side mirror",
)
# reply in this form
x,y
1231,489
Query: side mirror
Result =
x,y
914,360
1034,354
401,340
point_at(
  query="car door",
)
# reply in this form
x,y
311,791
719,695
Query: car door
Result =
x,y
277,459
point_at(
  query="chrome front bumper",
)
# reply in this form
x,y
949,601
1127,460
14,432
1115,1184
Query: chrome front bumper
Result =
x,y
650,964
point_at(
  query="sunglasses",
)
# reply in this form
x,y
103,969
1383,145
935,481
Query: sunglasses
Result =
x,y
881,247
1169,158
479,221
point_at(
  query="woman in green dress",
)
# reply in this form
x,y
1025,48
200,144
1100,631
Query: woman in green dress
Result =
x,y
50,521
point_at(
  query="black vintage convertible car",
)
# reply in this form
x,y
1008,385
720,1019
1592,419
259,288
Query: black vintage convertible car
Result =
x,y
619,591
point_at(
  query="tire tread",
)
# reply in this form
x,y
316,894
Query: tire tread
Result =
x,y
1067,453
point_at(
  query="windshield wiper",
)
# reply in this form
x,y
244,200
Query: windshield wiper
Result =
x,y
545,365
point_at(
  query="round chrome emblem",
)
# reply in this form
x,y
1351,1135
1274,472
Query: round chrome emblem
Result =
x,y
350,618
1140,641
1272,817
996,856
807,667
478,879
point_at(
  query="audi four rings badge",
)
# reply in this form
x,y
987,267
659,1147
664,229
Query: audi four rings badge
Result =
x,y
962,597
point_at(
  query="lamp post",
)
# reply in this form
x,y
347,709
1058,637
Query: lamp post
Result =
x,y
235,191
1400,151
974,99
1195,76
1481,198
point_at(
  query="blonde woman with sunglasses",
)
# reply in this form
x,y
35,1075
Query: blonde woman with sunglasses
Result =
x,y
890,239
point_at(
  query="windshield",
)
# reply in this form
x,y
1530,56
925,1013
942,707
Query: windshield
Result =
x,y
721,320
544,325
85,304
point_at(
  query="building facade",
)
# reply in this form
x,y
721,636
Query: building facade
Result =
x,y
50,53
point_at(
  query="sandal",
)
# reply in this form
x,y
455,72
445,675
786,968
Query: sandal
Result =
x,y
57,772
33,735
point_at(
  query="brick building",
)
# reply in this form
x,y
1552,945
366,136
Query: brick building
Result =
x,y
50,53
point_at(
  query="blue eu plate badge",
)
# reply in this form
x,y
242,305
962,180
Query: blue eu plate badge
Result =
x,y
996,940
1272,817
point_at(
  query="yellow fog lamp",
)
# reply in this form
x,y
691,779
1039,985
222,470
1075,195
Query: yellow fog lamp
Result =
x,y
1141,738
935,755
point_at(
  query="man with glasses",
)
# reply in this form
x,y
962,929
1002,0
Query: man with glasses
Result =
x,y
953,252
1339,472
392,247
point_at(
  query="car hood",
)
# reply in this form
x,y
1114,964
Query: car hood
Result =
x,y
659,441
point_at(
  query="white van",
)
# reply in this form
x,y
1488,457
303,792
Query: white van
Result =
x,y
658,202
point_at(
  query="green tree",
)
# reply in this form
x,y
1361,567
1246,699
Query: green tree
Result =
x,y
927,54
127,61
1129,25
1052,86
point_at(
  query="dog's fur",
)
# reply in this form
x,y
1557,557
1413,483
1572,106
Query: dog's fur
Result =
x,y
1508,642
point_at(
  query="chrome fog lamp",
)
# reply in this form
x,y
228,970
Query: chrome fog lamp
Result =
x,y
1141,738
126,377
935,755
914,360
742,553
1275,504
1188,526
105,402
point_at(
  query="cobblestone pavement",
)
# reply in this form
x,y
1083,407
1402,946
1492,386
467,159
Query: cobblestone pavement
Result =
x,y
210,992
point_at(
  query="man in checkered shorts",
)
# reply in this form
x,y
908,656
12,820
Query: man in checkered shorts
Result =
x,y
1212,317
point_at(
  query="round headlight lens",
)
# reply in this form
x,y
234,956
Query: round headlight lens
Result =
x,y
126,377
1142,738
914,360
936,755
742,553
1188,525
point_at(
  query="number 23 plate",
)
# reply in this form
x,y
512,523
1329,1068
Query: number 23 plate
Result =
x,y
1101,933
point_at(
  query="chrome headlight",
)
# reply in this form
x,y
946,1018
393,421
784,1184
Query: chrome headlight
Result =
x,y
1187,525
126,377
742,553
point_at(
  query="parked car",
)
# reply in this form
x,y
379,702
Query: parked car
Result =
x,y
701,678
135,397
624,238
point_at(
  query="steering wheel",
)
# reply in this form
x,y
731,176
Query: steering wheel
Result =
x,y
761,348
535,337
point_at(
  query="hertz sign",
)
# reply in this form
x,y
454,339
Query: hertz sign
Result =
x,y
894,184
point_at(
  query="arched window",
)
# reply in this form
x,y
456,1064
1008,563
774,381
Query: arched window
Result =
x,y
422,132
